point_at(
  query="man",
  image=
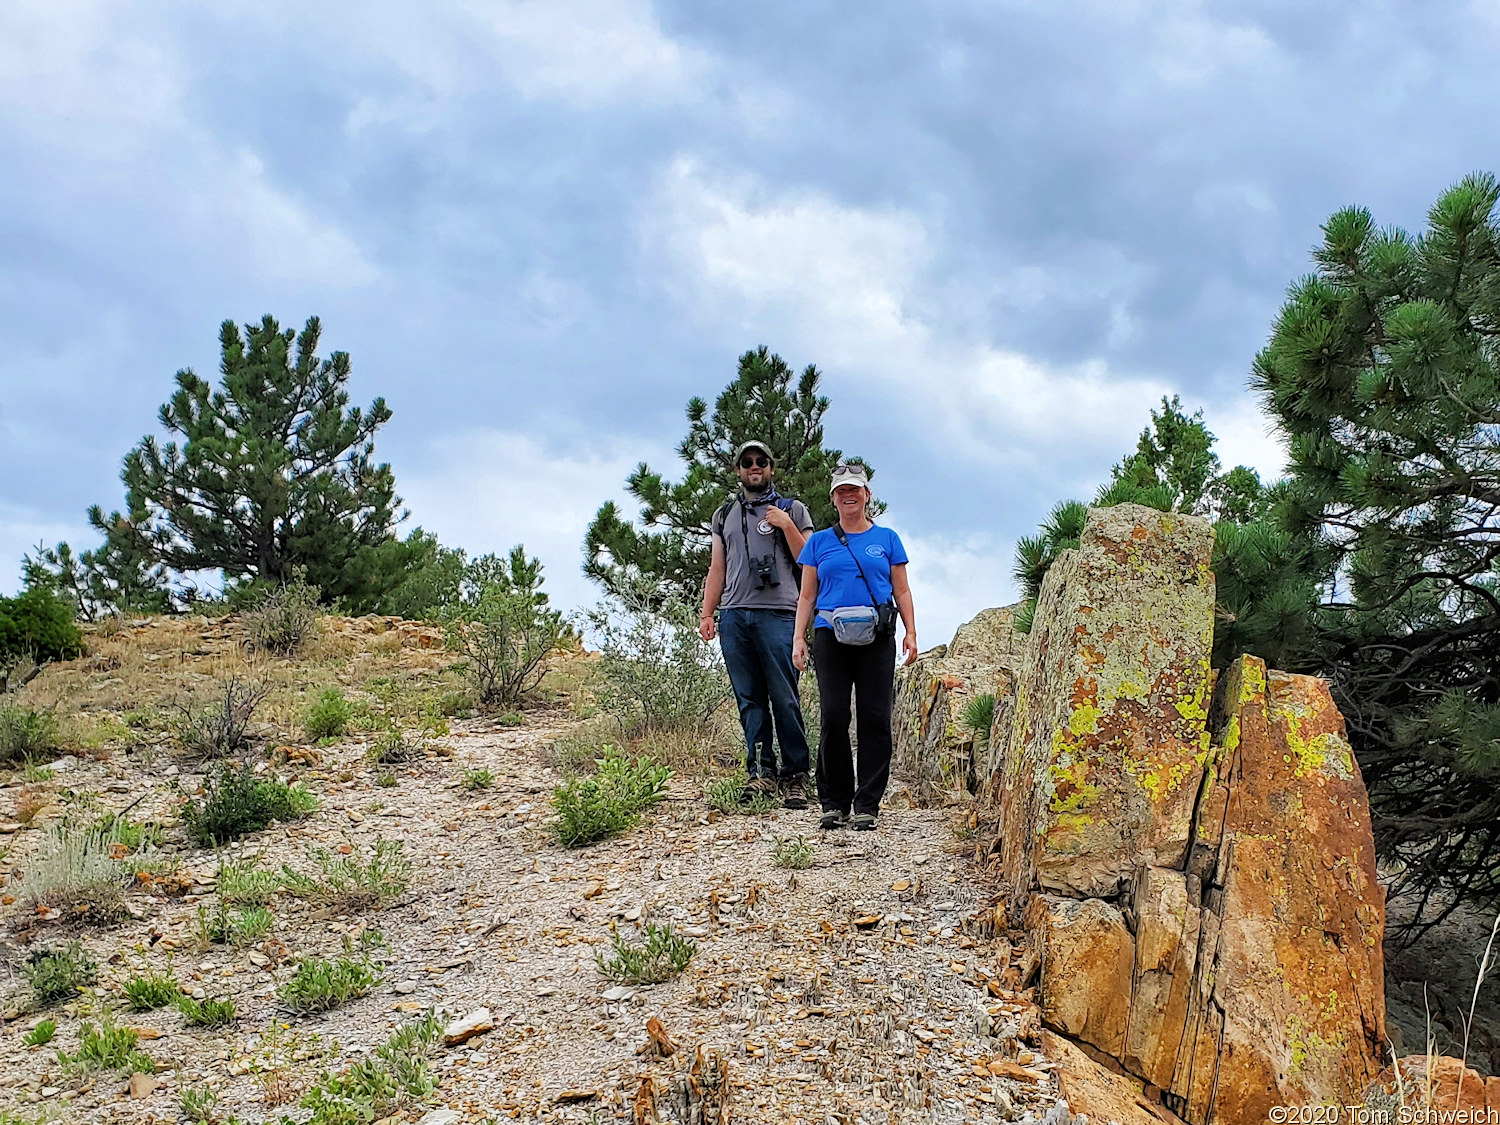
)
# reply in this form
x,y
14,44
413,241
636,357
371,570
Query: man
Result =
x,y
752,582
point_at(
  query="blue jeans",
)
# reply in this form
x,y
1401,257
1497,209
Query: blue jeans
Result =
x,y
757,646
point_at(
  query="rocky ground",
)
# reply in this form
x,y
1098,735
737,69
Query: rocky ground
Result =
x,y
869,986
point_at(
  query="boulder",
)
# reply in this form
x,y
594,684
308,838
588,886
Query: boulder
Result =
x,y
1105,752
1199,881
933,745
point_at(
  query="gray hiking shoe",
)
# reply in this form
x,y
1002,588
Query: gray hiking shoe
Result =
x,y
862,822
833,819
796,792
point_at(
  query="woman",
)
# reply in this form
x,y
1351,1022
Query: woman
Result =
x,y
851,574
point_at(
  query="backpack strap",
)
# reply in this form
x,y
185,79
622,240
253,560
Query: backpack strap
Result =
x,y
838,530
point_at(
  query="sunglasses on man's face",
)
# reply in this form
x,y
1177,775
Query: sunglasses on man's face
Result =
x,y
755,463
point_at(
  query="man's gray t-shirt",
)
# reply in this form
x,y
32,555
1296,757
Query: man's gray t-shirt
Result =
x,y
741,591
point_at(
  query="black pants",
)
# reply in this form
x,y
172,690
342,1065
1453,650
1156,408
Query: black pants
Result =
x,y
869,671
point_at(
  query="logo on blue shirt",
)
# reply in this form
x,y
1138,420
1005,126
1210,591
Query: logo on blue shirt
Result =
x,y
875,550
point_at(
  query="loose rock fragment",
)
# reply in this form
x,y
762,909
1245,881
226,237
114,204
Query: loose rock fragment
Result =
x,y
475,1023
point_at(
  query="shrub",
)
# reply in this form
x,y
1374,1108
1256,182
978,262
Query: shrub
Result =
x,y
351,884
282,618
329,715
478,779
507,630
199,1104
207,1012
58,974
796,854
235,802
223,727
39,625
319,984
608,802
131,835
79,876
374,1088
25,732
657,958
246,883
657,671
41,1034
394,747
107,1047
150,990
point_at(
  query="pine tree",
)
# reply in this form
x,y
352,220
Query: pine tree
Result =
x,y
671,548
1174,469
1383,371
275,473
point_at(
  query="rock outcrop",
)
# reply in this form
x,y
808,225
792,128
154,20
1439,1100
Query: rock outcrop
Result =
x,y
1191,853
933,746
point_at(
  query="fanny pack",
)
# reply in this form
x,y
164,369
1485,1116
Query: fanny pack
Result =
x,y
859,624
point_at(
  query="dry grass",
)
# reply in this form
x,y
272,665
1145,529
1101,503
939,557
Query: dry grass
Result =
x,y
137,677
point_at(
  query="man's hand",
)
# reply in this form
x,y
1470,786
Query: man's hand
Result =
x,y
706,627
799,653
778,519
909,648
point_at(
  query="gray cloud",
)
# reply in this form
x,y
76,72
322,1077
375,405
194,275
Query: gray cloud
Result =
x,y
1002,229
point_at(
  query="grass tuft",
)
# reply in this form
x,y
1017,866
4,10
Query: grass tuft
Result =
x,y
396,1073
106,1046
794,853
208,1012
349,883
657,958
245,883
478,779
151,990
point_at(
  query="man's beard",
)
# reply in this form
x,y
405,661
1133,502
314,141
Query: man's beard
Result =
x,y
757,490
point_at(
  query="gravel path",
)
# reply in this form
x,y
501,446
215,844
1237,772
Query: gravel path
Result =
x,y
865,988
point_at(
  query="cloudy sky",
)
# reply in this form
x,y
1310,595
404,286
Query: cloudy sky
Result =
x,y
1003,230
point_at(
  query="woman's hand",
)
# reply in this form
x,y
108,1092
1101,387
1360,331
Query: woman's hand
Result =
x,y
908,648
799,653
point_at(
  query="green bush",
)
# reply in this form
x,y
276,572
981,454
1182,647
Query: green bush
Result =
x,y
249,926
657,671
150,990
235,802
507,630
39,625
658,957
609,801
58,974
350,883
78,875
283,617
25,732
329,715
319,984
374,1088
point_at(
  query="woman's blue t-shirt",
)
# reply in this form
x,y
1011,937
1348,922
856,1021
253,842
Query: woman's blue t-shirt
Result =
x,y
839,583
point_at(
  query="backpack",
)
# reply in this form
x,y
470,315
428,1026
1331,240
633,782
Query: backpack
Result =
x,y
785,504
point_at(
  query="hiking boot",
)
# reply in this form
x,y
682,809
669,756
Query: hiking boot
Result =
x,y
862,822
756,788
832,819
796,792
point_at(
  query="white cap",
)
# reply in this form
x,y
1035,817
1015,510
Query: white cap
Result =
x,y
850,473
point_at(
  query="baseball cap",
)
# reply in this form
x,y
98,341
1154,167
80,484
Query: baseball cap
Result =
x,y
849,473
760,445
